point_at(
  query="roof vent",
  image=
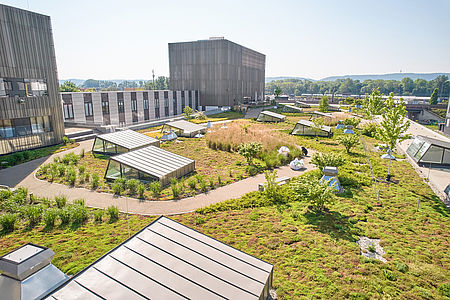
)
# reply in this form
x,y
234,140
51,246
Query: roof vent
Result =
x,y
28,272
213,38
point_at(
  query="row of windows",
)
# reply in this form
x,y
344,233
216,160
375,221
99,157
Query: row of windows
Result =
x,y
22,87
25,126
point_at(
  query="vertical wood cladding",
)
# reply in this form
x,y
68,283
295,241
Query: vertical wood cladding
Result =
x,y
27,51
224,72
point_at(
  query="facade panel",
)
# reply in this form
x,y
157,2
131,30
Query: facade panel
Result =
x,y
29,80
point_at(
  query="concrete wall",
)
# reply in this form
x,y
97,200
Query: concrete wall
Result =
x,y
224,72
26,51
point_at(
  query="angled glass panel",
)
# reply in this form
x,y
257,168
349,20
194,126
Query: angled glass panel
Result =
x,y
433,155
113,171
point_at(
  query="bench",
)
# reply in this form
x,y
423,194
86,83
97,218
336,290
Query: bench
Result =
x,y
279,181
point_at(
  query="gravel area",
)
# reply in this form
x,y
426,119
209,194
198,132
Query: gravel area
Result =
x,y
371,248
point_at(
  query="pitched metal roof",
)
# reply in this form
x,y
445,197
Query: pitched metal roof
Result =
x,y
293,107
153,160
433,141
311,124
186,126
167,260
128,139
272,114
322,114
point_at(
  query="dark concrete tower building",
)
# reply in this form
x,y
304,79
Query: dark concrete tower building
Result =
x,y
224,72
30,108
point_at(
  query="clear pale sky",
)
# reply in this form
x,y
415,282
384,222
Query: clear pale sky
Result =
x,y
305,38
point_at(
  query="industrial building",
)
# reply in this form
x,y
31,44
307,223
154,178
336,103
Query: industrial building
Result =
x,y
167,260
125,108
225,73
30,108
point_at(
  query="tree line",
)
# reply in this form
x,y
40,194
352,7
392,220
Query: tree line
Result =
x,y
160,83
404,87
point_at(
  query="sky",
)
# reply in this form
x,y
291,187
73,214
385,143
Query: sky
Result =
x,y
313,39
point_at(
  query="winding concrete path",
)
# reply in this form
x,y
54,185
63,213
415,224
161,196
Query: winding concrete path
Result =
x,y
24,175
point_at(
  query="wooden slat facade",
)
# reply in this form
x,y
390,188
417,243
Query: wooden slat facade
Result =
x,y
27,51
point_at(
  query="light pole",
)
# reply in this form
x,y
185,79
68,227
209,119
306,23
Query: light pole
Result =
x,y
389,156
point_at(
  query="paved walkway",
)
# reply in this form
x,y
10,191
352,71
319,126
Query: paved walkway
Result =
x,y
23,175
254,112
439,178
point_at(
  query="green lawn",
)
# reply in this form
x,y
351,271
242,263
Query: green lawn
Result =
x,y
314,253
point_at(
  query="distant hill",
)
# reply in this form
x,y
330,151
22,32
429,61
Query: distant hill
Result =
x,y
392,76
76,81
269,79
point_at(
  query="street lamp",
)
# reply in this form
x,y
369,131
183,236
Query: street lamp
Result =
x,y
389,156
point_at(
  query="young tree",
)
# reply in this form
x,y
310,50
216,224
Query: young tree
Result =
x,y
348,141
323,104
374,104
394,123
277,92
187,112
327,159
316,193
249,151
434,97
69,86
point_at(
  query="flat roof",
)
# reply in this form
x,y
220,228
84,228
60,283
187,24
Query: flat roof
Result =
x,y
153,160
311,124
433,141
167,260
23,253
128,139
186,126
272,114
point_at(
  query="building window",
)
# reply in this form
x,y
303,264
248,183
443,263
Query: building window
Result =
x,y
68,111
196,100
190,99
166,103
157,115
24,126
134,105
120,103
105,104
145,103
88,109
183,102
21,87
174,102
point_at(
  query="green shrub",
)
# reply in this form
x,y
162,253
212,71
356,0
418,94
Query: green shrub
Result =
x,y
70,159
192,184
4,195
95,181
249,200
390,275
212,185
87,176
61,170
18,157
81,169
98,215
80,202
65,140
71,176
50,215
113,213
175,190
118,186
155,188
327,159
82,153
312,191
402,267
78,214
219,180
352,121
33,213
369,129
203,186
64,214
249,151
26,155
132,185
60,201
348,141
8,222
271,159
444,289
252,170
271,189
141,190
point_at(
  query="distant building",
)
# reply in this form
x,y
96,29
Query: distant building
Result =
x,y
124,108
225,73
30,108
